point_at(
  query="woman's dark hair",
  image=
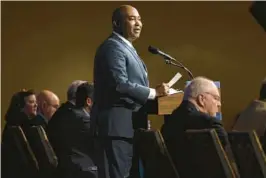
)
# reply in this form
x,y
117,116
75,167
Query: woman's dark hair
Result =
x,y
17,103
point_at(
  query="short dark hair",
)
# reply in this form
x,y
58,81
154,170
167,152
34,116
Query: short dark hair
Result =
x,y
84,91
117,14
117,17
263,90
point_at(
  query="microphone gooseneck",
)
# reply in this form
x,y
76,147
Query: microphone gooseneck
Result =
x,y
169,60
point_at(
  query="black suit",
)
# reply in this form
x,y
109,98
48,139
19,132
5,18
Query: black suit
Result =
x,y
186,117
76,156
120,90
53,129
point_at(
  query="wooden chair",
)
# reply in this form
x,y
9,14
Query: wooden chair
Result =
x,y
207,156
154,155
248,153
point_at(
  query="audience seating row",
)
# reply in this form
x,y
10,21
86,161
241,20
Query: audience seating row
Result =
x,y
206,156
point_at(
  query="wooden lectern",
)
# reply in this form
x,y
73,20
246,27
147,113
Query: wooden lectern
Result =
x,y
164,105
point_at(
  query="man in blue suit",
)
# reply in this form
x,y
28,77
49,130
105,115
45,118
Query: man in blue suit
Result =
x,y
121,89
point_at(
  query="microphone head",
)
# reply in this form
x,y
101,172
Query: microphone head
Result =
x,y
153,50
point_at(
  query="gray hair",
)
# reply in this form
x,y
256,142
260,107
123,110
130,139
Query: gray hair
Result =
x,y
198,86
72,89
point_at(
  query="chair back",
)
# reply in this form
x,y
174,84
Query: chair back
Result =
x,y
154,155
248,153
207,156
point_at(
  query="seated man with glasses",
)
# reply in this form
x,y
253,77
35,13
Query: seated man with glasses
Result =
x,y
198,109
48,103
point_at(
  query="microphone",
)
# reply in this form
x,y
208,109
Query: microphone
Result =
x,y
169,60
154,50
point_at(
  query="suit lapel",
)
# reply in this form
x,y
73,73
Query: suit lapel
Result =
x,y
136,57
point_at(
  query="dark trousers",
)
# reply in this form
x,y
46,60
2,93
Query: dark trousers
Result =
x,y
117,158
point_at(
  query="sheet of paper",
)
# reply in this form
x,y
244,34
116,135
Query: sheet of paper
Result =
x,y
173,91
174,79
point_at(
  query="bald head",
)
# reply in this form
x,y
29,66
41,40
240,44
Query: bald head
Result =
x,y
121,12
48,102
204,94
127,22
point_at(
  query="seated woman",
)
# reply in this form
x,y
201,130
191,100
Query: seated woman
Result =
x,y
22,109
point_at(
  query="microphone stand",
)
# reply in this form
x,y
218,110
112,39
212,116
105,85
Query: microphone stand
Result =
x,y
180,65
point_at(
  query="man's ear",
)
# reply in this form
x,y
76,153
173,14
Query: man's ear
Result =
x,y
116,24
43,105
200,100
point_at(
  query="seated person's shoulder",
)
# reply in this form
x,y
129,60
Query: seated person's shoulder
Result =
x,y
80,114
209,122
60,112
205,117
77,112
66,106
38,119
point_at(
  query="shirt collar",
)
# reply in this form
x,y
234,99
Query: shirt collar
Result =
x,y
123,38
45,119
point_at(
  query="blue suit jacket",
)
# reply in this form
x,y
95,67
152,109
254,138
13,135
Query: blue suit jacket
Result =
x,y
121,87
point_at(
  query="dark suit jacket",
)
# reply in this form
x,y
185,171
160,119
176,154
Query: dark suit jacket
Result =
x,y
53,129
120,87
186,117
39,120
76,157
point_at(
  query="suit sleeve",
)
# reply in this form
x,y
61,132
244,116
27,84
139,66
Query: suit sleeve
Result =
x,y
116,64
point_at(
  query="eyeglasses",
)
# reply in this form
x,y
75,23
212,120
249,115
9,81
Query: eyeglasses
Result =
x,y
54,105
216,97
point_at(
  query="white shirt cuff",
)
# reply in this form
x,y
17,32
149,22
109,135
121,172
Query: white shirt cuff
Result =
x,y
152,94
